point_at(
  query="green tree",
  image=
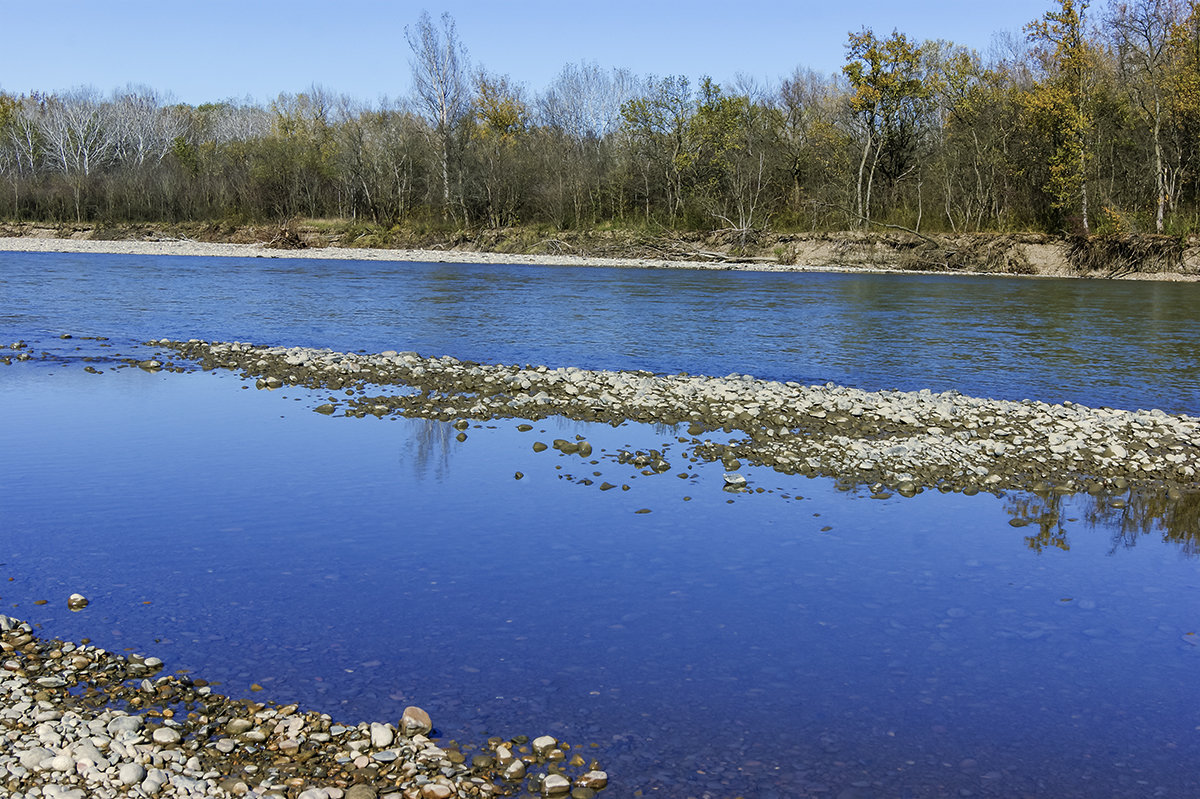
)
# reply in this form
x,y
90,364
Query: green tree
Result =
x,y
735,141
500,119
890,100
657,123
1061,102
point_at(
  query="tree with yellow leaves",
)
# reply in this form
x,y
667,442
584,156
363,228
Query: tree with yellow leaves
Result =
x,y
1061,102
890,99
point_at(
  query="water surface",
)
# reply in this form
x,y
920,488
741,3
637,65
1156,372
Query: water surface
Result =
x,y
1117,343
801,641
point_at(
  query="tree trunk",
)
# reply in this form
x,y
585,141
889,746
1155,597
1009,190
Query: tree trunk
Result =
x,y
1160,182
862,164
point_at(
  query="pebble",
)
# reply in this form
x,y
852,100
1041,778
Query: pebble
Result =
x,y
415,721
555,784
166,735
131,773
381,735
58,741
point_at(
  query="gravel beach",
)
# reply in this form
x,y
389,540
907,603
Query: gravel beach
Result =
x,y
79,722
208,249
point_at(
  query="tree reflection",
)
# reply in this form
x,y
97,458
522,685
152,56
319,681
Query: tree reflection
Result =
x,y
1046,512
430,445
1126,518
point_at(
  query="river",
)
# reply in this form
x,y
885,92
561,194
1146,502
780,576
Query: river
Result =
x,y
805,640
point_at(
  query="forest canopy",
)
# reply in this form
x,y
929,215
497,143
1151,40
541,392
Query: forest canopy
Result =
x,y
1089,121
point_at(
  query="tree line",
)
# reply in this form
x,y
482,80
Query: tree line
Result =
x,y
1086,122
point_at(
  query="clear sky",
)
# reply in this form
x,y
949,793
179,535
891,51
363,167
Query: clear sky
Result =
x,y
208,50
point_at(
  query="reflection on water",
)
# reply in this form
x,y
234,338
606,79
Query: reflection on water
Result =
x,y
429,448
1127,518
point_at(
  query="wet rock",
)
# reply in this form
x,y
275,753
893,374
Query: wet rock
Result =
x,y
77,602
594,779
556,785
415,721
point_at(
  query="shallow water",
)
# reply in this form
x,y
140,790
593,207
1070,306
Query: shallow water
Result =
x,y
801,641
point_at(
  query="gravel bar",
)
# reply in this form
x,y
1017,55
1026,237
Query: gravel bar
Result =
x,y
79,722
902,441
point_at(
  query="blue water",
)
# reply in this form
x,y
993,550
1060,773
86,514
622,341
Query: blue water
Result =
x,y
800,641
1115,343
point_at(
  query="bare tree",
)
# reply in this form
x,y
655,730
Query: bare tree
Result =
x,y
440,86
20,150
142,130
585,101
78,137
1140,31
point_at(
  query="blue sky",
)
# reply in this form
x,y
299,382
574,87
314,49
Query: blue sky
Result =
x,y
206,51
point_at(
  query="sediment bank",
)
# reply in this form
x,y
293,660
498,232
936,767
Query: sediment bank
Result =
x,y
1028,254
79,722
904,441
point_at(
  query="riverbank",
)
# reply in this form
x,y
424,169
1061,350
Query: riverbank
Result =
x,y
1138,258
888,440
80,722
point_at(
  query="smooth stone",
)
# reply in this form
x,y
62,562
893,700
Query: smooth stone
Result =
x,y
415,721
542,745
33,758
435,790
124,724
555,784
238,726
381,735
166,735
313,793
514,771
131,773
360,792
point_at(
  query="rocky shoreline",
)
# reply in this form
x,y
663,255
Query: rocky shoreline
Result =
x,y
889,440
79,722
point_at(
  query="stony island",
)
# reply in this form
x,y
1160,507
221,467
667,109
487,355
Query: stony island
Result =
x,y
888,440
